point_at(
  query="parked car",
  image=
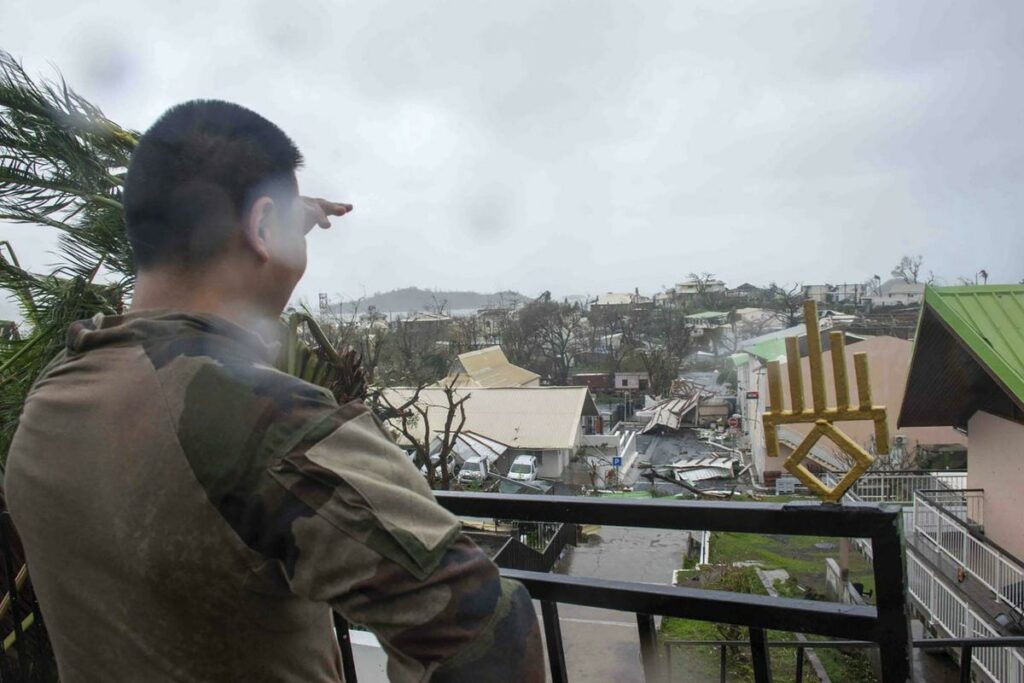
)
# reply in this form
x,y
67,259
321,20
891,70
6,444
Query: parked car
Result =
x,y
475,470
524,468
453,465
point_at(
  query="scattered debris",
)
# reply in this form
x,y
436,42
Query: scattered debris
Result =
x,y
693,470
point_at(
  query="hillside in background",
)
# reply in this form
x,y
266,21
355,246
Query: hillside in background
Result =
x,y
416,299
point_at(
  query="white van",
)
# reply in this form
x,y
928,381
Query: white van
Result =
x,y
524,468
474,471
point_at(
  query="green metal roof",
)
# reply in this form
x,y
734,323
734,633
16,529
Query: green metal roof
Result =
x,y
769,349
739,359
989,319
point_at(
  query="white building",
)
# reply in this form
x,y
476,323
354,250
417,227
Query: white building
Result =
x,y
631,381
546,422
693,288
898,292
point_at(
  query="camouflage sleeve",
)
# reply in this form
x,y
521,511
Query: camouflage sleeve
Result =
x,y
369,538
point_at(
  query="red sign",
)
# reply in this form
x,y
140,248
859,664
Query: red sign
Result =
x,y
734,422
752,395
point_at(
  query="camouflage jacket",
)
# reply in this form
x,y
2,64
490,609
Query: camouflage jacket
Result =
x,y
189,513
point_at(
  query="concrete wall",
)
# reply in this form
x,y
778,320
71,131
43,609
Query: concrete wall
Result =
x,y
752,377
630,380
551,463
995,462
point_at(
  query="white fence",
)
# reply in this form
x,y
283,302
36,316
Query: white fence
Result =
x,y
900,487
944,529
946,525
955,616
897,488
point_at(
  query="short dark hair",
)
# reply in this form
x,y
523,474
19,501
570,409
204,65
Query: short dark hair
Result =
x,y
194,175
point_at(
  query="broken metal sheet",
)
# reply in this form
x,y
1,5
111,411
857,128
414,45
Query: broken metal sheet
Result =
x,y
699,469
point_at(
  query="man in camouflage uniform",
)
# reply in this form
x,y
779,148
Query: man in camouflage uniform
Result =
x,y
189,513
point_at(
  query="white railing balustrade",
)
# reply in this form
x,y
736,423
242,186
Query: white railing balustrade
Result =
x,y
955,616
899,486
946,528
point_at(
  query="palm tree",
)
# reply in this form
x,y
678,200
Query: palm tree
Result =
x,y
62,165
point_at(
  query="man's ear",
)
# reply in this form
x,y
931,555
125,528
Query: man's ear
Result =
x,y
257,227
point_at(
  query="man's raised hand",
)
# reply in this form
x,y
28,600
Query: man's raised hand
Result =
x,y
318,210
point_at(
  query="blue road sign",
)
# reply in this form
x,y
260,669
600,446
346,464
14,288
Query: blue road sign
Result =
x,y
616,462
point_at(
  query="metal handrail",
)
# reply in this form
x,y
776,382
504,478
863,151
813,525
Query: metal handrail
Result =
x,y
943,604
952,537
952,501
966,647
885,624
955,615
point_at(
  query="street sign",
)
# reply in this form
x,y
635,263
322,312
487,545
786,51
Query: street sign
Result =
x,y
752,395
734,422
616,462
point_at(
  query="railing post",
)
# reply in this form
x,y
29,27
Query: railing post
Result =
x,y
348,662
999,578
648,647
553,637
759,656
891,603
722,663
799,665
966,654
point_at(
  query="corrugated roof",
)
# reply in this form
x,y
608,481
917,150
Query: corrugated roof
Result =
x,y
518,417
772,345
669,413
769,349
990,320
797,330
968,356
489,367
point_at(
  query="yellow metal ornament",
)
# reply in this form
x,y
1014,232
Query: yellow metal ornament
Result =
x,y
823,418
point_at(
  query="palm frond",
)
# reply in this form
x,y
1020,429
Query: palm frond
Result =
x,y
62,164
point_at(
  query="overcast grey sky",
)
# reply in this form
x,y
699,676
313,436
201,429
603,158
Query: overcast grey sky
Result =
x,y
585,146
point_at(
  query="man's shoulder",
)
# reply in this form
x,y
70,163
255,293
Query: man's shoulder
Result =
x,y
226,404
207,370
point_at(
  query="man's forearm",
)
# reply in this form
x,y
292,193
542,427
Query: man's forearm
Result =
x,y
510,648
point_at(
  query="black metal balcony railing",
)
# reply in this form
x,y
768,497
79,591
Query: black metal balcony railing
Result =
x,y
884,624
26,655
965,647
515,554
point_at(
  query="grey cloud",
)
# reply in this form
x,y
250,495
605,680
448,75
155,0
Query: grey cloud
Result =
x,y
592,145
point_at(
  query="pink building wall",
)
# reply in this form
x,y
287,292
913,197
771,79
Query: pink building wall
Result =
x,y
995,462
